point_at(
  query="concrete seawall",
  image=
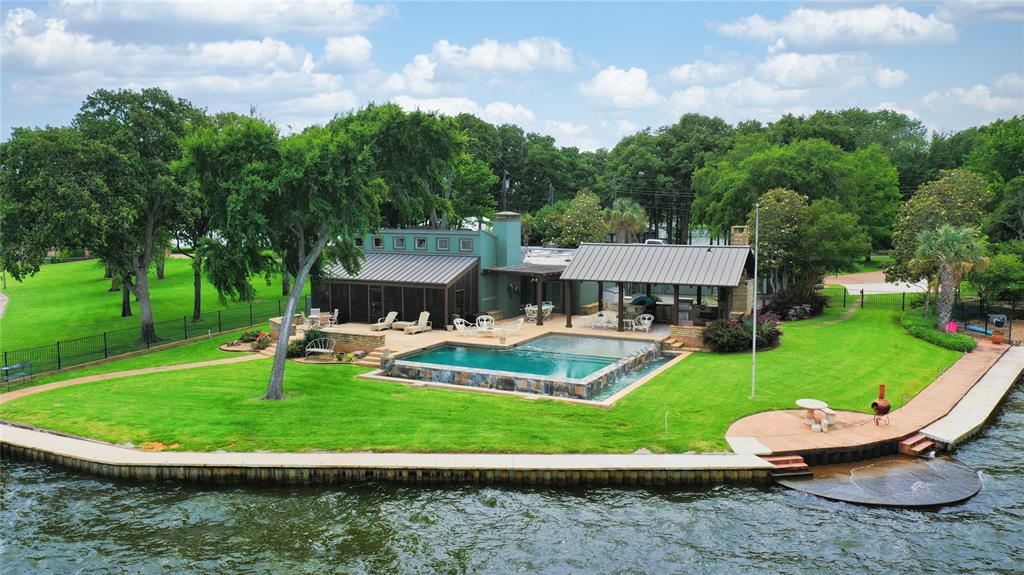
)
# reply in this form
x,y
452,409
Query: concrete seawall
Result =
x,y
327,468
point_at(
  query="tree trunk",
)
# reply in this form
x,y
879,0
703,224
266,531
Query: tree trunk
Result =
x,y
197,287
160,259
147,333
115,283
275,387
108,273
947,285
286,281
126,298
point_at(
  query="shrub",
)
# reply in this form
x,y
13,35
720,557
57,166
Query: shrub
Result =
x,y
923,327
731,335
249,336
310,335
263,341
794,309
296,348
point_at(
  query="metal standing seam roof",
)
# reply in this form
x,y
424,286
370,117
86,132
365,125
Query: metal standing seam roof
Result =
x,y
396,268
659,264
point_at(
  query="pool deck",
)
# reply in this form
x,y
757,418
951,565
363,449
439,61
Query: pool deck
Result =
x,y
784,432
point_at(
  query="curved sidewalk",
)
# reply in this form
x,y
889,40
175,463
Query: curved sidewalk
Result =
x,y
12,395
784,432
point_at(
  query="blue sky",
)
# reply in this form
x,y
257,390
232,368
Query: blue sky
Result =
x,y
586,73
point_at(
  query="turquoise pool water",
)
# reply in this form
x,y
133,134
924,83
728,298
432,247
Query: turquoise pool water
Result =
x,y
531,361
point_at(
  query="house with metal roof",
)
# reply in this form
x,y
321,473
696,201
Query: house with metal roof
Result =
x,y
450,273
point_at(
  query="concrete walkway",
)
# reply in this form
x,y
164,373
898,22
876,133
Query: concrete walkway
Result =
x,y
784,432
3,304
12,395
971,413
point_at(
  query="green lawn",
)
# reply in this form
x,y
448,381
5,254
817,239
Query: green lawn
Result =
x,y
328,408
877,263
202,350
70,300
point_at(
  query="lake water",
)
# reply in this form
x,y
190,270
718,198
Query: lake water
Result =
x,y
55,521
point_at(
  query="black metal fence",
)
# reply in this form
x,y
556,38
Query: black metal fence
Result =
x,y
839,296
71,352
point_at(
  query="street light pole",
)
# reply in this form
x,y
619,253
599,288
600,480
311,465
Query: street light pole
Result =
x,y
753,313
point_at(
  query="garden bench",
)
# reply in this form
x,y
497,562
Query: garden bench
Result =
x,y
11,373
320,345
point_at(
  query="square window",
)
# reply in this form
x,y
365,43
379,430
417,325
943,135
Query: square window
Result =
x,y
420,243
443,244
359,242
465,245
398,243
378,241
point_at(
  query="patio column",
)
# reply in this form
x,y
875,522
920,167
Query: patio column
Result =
x,y
567,287
540,301
675,305
647,290
698,295
600,296
622,305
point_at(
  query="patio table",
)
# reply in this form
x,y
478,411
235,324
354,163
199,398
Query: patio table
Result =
x,y
810,405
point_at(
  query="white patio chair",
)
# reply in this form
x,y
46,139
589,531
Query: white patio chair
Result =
x,y
314,317
531,312
384,322
642,322
548,308
485,325
334,318
463,327
422,324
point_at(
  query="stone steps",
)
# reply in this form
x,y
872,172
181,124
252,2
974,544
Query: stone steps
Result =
x,y
372,359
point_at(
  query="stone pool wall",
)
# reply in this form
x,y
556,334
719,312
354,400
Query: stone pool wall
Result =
x,y
525,383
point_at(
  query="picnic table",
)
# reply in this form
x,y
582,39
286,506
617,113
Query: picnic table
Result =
x,y
810,405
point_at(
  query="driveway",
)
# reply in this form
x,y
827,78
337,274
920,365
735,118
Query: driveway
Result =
x,y
874,282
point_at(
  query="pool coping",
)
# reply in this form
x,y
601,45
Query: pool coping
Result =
x,y
380,375
335,467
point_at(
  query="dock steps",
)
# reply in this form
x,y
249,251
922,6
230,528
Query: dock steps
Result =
x,y
916,445
789,466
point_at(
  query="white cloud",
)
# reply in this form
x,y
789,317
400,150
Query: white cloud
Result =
x,y
743,98
495,112
505,113
569,134
897,108
863,27
527,55
626,127
701,72
849,70
621,88
347,51
979,97
264,17
1010,83
329,102
889,78
417,76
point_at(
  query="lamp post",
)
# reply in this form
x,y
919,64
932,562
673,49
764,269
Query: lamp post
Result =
x,y
753,319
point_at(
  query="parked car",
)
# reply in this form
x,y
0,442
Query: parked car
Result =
x,y
655,242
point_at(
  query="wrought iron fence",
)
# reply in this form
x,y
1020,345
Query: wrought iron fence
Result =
x,y
839,296
70,352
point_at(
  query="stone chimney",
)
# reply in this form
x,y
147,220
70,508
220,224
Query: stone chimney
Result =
x,y
739,236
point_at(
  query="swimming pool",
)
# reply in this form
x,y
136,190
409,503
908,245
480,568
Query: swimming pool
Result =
x,y
554,364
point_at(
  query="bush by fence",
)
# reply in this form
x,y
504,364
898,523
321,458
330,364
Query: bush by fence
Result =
x,y
71,352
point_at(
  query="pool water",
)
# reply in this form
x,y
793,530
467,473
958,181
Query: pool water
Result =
x,y
518,360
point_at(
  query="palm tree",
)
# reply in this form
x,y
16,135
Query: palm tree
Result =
x,y
953,252
625,219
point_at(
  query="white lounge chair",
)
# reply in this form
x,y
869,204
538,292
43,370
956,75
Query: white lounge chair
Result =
x,y
384,322
606,320
642,322
422,324
463,327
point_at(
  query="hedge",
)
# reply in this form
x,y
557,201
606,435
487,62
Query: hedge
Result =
x,y
923,327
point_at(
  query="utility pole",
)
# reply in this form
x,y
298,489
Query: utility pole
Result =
x,y
504,189
551,193
753,319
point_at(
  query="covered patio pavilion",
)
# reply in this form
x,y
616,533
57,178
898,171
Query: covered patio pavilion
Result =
x,y
726,269
538,274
